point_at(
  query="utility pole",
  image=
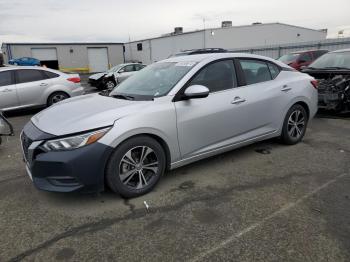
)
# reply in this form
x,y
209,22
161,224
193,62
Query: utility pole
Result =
x,y
204,32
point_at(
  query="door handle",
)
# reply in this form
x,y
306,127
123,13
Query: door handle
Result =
x,y
6,90
238,100
286,88
43,84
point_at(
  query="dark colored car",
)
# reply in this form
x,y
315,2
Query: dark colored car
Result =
x,y
297,60
332,72
25,61
200,51
6,128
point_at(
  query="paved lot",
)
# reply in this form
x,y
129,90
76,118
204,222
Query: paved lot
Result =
x,y
286,203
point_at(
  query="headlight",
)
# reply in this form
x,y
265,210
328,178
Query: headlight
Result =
x,y
73,142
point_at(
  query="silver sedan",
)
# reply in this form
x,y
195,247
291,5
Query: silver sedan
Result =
x,y
170,114
26,86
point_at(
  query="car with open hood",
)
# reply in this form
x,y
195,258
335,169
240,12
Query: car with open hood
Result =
x,y
170,114
114,76
332,72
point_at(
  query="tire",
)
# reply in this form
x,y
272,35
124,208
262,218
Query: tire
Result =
x,y
15,64
110,84
124,171
294,125
56,97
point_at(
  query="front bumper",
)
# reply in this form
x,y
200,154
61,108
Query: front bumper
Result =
x,y
80,169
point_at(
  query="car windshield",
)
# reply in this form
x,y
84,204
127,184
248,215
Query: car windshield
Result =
x,y
154,80
288,58
333,60
114,69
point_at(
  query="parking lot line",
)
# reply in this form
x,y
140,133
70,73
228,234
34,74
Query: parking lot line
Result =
x,y
282,210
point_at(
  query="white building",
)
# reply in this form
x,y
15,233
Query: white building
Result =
x,y
229,37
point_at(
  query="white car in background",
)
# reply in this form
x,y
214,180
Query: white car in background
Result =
x,y
114,76
32,86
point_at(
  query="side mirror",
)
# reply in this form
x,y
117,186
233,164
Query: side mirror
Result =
x,y
6,128
196,91
121,71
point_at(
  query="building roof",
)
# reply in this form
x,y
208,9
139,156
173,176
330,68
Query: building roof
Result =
x,y
67,43
225,28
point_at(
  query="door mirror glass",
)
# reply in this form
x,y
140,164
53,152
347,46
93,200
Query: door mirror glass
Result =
x,y
5,127
196,91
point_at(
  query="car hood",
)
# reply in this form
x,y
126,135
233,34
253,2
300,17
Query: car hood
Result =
x,y
84,113
97,76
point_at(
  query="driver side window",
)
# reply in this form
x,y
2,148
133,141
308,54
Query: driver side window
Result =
x,y
217,76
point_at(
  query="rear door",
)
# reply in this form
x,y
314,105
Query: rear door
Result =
x,y
8,91
266,95
31,84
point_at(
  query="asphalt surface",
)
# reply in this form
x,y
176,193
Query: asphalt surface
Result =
x,y
264,202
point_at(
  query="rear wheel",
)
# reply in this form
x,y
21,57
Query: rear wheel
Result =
x,y
136,166
294,126
56,97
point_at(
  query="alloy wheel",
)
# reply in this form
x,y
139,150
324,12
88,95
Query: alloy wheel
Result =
x,y
138,167
57,98
296,124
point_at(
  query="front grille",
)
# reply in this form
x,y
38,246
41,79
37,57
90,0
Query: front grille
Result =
x,y
26,142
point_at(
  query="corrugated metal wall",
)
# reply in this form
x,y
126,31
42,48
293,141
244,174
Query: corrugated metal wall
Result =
x,y
279,50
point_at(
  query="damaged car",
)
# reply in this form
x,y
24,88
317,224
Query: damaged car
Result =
x,y
6,128
332,71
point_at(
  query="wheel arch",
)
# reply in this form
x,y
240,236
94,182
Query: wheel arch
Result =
x,y
305,106
54,92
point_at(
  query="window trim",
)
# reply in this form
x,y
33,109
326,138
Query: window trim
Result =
x,y
13,80
40,71
179,95
242,76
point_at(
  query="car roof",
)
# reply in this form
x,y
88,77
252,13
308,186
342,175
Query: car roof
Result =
x,y
306,51
29,67
213,56
341,50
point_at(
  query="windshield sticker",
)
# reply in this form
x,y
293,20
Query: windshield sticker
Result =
x,y
189,64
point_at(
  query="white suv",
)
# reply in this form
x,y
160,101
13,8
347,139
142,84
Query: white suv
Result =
x,y
27,86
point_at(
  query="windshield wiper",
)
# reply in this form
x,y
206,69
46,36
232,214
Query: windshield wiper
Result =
x,y
125,97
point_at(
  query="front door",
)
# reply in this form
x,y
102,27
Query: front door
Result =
x,y
8,91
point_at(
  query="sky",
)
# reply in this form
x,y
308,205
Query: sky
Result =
x,y
119,21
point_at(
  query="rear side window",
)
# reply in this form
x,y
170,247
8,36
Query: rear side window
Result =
x,y
255,71
274,70
139,67
6,78
50,75
128,68
217,76
29,75
305,57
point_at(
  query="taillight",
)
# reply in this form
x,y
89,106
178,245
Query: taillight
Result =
x,y
74,79
314,83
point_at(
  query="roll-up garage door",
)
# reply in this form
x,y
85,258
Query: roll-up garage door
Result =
x,y
98,59
44,54
47,56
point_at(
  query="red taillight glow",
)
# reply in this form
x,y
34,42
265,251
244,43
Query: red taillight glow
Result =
x,y
314,83
74,79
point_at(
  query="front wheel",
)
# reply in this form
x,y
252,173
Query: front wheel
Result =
x,y
294,125
136,166
110,84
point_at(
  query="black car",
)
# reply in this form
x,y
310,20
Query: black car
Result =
x,y
6,128
200,51
332,71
